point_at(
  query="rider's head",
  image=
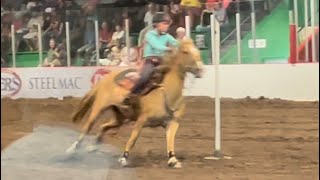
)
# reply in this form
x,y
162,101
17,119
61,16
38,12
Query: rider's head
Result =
x,y
161,21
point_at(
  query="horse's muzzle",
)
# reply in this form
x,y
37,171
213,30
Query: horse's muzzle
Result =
x,y
199,73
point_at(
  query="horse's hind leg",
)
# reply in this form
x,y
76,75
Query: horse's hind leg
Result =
x,y
96,110
132,140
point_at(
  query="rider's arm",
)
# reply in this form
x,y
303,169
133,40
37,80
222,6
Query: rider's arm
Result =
x,y
172,41
152,41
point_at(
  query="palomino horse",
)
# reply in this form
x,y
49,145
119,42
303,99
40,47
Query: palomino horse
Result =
x,y
163,105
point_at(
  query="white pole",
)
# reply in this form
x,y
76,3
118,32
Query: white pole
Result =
x,y
127,38
96,26
217,94
312,6
68,44
295,9
188,28
215,50
291,17
213,45
13,46
253,29
238,37
40,43
306,18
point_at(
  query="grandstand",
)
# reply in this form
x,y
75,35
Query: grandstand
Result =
x,y
271,25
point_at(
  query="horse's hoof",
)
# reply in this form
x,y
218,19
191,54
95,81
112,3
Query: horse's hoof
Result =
x,y
174,163
123,161
92,148
72,148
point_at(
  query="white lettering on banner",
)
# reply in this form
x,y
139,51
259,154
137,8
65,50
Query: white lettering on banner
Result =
x,y
54,83
10,83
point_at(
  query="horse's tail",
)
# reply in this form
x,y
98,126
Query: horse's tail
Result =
x,y
85,105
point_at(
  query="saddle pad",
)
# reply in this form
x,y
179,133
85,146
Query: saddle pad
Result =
x,y
127,78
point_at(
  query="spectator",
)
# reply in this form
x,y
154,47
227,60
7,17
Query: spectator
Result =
x,y
149,14
55,30
117,36
113,56
122,21
212,7
128,57
53,56
31,4
177,18
217,9
193,9
46,19
105,34
5,44
204,21
32,37
20,26
60,10
62,54
89,42
90,5
181,33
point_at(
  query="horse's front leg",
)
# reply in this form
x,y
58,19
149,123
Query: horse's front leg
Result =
x,y
97,108
132,140
172,129
171,132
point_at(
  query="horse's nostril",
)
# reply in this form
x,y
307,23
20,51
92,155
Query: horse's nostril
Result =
x,y
199,73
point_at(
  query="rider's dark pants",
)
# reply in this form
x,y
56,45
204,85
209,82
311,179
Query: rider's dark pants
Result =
x,y
145,75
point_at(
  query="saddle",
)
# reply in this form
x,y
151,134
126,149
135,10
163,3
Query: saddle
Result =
x,y
129,77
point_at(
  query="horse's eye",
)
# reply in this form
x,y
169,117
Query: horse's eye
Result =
x,y
185,52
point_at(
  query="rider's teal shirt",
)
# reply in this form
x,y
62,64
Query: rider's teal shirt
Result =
x,y
156,44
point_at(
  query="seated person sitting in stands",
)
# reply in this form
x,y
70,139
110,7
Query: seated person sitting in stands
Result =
x,y
181,33
112,57
129,57
31,38
212,7
117,36
89,42
53,56
105,35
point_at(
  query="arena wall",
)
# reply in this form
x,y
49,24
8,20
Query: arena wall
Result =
x,y
299,82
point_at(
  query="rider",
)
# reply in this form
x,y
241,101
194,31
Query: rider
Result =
x,y
156,44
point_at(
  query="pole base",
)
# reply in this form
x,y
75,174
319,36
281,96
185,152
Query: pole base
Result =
x,y
217,155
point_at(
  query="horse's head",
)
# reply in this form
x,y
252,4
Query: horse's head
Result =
x,y
190,58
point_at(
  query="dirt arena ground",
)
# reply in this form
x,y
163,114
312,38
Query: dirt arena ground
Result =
x,y
267,139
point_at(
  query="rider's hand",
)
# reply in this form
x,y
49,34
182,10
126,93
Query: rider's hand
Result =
x,y
169,49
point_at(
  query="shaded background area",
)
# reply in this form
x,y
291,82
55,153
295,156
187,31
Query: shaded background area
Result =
x,y
41,155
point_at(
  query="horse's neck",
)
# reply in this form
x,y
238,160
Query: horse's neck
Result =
x,y
173,83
